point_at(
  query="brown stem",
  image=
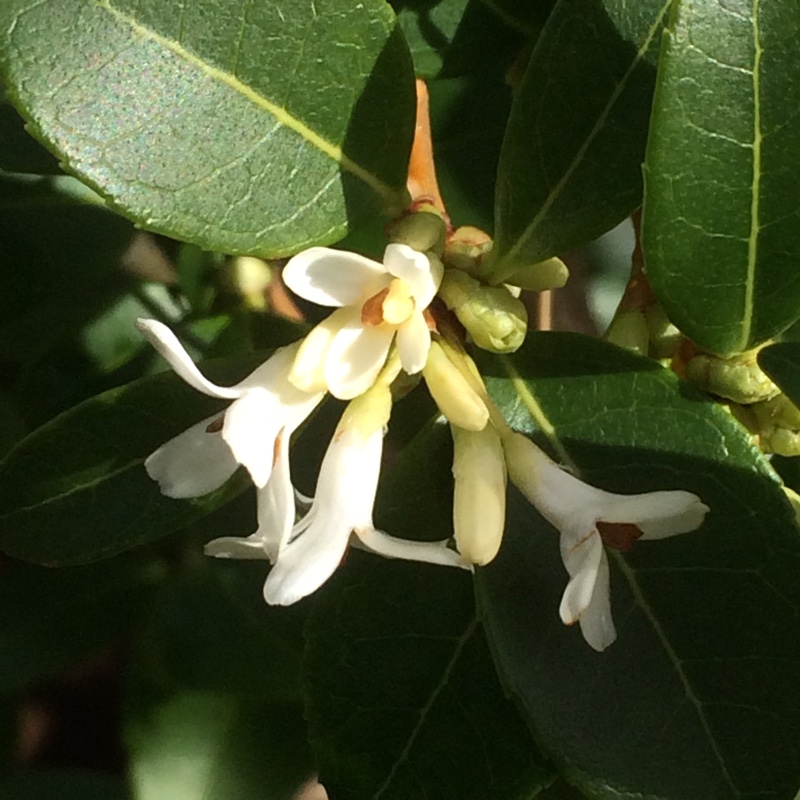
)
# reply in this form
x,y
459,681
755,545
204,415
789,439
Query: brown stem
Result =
x,y
422,184
638,294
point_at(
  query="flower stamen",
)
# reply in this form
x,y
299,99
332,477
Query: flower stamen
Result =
x,y
372,310
216,425
399,304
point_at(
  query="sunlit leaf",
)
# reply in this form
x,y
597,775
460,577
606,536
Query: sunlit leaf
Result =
x,y
258,129
721,228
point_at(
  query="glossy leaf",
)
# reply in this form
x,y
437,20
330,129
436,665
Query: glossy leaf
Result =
x,y
781,362
75,490
403,700
698,697
570,167
722,210
261,129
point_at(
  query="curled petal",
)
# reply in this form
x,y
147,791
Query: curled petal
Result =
x,y
582,559
355,357
248,547
194,463
330,277
276,506
251,428
382,544
173,352
597,625
415,269
414,343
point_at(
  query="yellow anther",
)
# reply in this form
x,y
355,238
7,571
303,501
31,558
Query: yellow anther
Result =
x,y
399,304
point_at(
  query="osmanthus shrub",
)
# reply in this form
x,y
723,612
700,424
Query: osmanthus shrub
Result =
x,y
491,560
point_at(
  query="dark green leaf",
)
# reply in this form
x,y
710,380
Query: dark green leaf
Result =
x,y
59,265
781,362
722,215
238,747
259,129
75,489
570,167
698,697
63,784
52,618
211,631
403,700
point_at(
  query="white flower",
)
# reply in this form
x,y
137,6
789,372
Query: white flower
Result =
x,y
376,305
341,510
579,512
254,431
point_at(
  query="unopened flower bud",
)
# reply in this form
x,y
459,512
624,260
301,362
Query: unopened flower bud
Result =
x,y
496,320
780,441
665,338
552,273
249,277
628,329
479,500
737,378
457,400
466,249
422,230
777,412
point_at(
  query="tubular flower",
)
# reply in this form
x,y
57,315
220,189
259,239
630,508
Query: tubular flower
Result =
x,y
340,511
377,304
587,518
254,431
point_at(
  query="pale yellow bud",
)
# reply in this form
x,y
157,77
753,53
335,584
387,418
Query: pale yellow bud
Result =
x,y
422,230
479,500
467,248
457,400
552,273
495,319
369,412
249,277
738,378
629,329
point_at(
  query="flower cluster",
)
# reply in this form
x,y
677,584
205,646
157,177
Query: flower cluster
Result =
x,y
383,324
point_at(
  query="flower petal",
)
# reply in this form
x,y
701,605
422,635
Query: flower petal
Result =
x,y
414,343
168,346
243,547
686,513
382,544
193,463
305,563
597,625
334,277
355,357
276,506
308,369
581,557
251,428
416,269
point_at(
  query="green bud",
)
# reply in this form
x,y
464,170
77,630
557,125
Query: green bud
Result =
x,y
248,277
422,230
781,441
549,274
495,319
466,249
737,378
628,329
665,338
778,412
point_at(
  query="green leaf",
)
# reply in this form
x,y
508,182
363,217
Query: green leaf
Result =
x,y
698,697
54,618
245,129
781,362
75,490
403,699
63,784
720,229
570,167
236,747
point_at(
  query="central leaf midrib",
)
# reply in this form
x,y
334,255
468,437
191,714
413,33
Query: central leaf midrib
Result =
x,y
555,192
283,117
